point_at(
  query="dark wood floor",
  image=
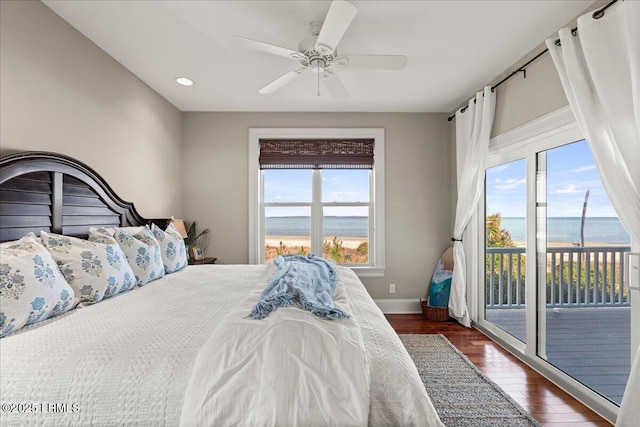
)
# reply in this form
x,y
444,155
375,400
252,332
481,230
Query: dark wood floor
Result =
x,y
547,403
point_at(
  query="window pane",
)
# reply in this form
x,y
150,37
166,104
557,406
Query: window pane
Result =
x,y
346,234
345,185
287,185
287,231
587,317
505,241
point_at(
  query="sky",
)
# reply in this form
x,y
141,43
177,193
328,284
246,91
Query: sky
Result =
x,y
294,186
570,173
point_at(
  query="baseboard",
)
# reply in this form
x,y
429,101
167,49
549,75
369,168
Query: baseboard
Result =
x,y
399,306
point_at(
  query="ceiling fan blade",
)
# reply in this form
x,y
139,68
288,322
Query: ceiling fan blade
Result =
x,y
338,19
380,62
282,81
334,86
265,47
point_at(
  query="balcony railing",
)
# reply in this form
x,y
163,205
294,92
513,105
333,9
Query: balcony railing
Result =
x,y
575,277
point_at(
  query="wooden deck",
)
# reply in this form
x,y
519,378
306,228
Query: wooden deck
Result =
x,y
590,344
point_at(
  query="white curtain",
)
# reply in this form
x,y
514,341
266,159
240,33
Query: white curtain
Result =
x,y
600,71
473,131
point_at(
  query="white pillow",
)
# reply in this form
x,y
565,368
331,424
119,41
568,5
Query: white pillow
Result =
x,y
94,270
173,250
31,286
143,252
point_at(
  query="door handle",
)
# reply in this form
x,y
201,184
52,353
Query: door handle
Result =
x,y
627,267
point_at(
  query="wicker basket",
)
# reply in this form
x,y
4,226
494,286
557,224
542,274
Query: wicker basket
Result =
x,y
440,314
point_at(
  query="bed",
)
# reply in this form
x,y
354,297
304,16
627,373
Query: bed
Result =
x,y
181,350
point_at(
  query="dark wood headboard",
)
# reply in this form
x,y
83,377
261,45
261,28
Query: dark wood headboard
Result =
x,y
55,193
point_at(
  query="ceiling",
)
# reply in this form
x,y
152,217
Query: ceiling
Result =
x,y
453,48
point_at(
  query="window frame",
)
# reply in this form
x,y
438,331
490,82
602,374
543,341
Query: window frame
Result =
x,y
376,265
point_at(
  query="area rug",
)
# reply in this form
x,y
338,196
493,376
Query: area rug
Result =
x,y
461,394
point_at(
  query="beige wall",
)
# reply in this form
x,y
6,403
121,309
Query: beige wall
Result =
x,y
521,100
59,92
418,216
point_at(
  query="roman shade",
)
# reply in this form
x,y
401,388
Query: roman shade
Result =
x,y
316,153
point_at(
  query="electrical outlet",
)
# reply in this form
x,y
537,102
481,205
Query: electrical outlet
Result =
x,y
392,288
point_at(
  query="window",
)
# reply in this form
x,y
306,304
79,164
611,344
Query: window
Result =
x,y
318,191
554,249
338,205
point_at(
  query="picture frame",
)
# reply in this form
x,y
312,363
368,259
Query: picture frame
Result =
x,y
197,254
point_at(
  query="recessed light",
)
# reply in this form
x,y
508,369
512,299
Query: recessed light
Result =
x,y
184,81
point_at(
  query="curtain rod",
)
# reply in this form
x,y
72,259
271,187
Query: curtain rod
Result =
x,y
522,69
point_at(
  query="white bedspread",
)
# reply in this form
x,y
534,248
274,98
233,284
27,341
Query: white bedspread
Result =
x,y
125,359
290,368
128,360
398,396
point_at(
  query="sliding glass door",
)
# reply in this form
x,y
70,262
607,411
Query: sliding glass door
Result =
x,y
557,264
582,246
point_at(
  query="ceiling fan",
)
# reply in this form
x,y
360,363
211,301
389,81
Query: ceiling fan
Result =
x,y
318,53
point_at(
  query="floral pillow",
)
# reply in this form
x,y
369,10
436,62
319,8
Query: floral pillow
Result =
x,y
174,252
94,270
111,231
143,252
31,286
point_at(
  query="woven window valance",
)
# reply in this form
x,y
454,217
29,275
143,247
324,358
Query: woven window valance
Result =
x,y
316,153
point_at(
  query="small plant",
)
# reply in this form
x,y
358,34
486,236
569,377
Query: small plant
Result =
x,y
363,248
193,237
334,250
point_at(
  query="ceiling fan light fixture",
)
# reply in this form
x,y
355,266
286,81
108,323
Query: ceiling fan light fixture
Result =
x,y
184,81
318,53
318,65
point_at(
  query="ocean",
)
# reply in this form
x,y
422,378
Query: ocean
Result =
x,y
567,229
340,226
596,230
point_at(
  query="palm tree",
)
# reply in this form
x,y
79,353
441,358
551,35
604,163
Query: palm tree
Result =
x,y
497,237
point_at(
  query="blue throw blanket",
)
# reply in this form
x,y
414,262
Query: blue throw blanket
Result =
x,y
307,281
